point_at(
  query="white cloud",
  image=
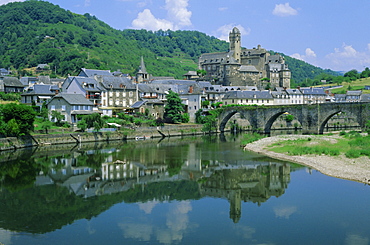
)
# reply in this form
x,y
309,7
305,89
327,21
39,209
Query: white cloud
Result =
x,y
310,53
178,16
6,237
285,212
141,232
3,2
223,31
245,231
148,206
146,20
178,12
284,10
223,8
87,3
354,239
347,58
309,56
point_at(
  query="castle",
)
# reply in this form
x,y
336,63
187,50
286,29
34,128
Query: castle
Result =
x,y
245,67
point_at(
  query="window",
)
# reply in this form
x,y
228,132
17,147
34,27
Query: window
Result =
x,y
52,107
131,94
63,107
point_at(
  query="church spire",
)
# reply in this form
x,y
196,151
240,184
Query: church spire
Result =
x,y
142,67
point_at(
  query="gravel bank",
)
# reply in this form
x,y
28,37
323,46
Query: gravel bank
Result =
x,y
357,169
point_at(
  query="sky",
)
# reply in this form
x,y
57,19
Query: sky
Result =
x,y
331,34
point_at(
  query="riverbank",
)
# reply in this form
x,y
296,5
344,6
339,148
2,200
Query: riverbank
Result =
x,y
356,169
140,133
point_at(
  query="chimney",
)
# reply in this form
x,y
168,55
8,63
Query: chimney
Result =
x,y
98,78
191,89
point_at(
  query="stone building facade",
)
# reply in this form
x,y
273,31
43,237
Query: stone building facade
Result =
x,y
246,67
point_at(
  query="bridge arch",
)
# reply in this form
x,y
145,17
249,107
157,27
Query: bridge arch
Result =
x,y
312,117
332,113
226,116
273,118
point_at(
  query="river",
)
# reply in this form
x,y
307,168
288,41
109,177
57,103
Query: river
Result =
x,y
190,190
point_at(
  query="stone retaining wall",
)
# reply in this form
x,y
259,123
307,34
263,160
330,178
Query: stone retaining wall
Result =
x,y
12,143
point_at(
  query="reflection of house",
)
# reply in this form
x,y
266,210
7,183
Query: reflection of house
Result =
x,y
121,170
70,106
255,183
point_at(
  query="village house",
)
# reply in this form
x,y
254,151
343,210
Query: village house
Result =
x,y
295,96
281,97
190,92
118,93
70,106
38,94
191,75
248,98
313,95
86,86
350,96
92,73
11,85
5,72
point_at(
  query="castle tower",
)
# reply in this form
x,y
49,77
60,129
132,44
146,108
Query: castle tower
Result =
x,y
235,43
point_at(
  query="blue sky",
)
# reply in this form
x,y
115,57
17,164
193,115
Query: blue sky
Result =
x,y
328,34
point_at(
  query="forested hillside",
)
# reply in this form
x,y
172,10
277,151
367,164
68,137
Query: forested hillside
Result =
x,y
36,32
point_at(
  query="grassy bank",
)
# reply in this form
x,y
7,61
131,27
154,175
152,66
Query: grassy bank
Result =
x,y
352,144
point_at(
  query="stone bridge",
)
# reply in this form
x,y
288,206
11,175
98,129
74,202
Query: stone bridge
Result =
x,y
313,117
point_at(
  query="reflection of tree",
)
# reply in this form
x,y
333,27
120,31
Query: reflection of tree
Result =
x,y
47,208
18,174
91,160
163,191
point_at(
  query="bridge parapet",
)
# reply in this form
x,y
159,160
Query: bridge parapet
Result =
x,y
312,117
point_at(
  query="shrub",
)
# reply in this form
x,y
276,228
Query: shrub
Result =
x,y
353,153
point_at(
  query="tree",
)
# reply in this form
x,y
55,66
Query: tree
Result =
x,y
201,73
57,116
352,74
19,118
46,126
174,108
82,125
89,121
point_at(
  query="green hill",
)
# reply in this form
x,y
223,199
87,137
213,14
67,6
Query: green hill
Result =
x,y
37,32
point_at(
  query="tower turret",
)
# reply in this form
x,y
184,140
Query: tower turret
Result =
x,y
235,43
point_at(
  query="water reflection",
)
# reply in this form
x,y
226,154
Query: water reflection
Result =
x,y
56,186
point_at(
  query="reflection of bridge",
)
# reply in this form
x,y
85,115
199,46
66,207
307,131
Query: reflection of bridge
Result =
x,y
313,118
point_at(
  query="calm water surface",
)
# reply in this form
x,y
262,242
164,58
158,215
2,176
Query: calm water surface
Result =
x,y
193,190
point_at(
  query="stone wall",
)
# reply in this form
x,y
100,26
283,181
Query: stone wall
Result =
x,y
13,143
